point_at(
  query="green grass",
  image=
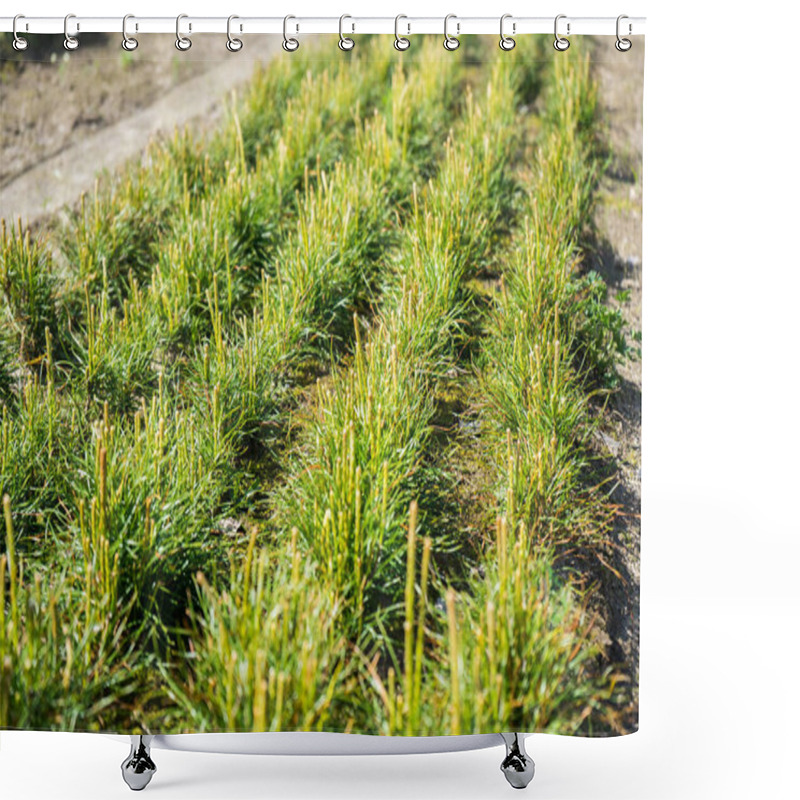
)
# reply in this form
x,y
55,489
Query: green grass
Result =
x,y
513,652
352,483
269,653
64,641
536,374
38,459
514,645
29,283
118,230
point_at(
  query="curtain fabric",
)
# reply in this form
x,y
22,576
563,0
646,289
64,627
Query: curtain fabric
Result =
x,y
321,398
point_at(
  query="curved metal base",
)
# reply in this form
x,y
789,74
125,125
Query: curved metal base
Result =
x,y
138,768
517,766
316,743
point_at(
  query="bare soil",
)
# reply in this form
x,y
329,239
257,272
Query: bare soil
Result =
x,y
48,107
62,126
618,258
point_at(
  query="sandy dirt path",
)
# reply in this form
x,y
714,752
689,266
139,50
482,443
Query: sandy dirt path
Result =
x,y
60,179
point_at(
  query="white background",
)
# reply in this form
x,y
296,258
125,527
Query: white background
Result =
x,y
720,597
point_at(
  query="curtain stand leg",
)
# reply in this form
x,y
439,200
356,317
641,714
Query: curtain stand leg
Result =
x,y
517,766
138,768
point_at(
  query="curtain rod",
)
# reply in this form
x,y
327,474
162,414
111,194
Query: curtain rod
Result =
x,y
407,26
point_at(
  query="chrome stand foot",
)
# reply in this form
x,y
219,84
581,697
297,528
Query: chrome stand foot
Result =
x,y
517,766
138,768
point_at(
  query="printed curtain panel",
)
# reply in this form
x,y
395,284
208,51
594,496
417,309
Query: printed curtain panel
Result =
x,y
320,382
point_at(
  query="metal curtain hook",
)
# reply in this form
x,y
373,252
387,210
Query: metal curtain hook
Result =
x,y
70,42
400,42
128,42
345,42
506,42
450,42
182,42
18,43
289,44
623,45
234,45
560,43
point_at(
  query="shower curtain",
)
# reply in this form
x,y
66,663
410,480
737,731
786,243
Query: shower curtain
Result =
x,y
320,398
